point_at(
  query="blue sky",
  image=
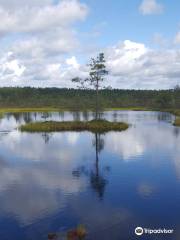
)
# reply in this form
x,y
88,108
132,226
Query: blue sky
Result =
x,y
122,20
45,43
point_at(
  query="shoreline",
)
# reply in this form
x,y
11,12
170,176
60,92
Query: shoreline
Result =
x,y
175,112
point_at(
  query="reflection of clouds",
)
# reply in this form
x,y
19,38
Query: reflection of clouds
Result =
x,y
72,137
36,178
27,206
146,189
177,165
32,146
126,144
138,141
8,125
30,190
176,157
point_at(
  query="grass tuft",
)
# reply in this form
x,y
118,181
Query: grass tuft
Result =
x,y
177,122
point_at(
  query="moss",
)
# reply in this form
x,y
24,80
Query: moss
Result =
x,y
177,122
92,126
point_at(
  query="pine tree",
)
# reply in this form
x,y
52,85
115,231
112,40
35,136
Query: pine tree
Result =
x,y
96,78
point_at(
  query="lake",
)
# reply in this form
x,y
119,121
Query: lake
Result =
x,y
111,183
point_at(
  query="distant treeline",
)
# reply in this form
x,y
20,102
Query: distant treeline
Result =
x,y
75,99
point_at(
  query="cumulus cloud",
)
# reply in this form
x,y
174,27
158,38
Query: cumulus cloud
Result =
x,y
133,65
149,7
177,38
44,28
73,62
44,49
9,4
130,65
45,36
32,16
10,67
125,57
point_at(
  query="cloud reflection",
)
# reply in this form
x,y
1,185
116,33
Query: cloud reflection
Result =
x,y
36,178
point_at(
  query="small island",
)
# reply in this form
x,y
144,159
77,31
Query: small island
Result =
x,y
100,125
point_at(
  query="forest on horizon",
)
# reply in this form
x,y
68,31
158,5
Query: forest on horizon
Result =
x,y
77,99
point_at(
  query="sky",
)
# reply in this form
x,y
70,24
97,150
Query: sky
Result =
x,y
46,43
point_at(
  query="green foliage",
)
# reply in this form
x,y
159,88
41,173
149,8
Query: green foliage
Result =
x,y
92,126
96,77
97,71
78,99
164,100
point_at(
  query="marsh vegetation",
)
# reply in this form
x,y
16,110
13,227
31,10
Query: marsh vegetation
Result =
x,y
92,126
177,122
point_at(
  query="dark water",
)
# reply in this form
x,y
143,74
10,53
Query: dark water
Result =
x,y
111,183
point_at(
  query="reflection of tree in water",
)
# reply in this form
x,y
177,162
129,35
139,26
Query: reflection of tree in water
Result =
x,y
97,179
100,115
35,115
27,117
76,116
85,116
61,115
164,116
46,115
98,182
46,136
17,117
176,131
115,116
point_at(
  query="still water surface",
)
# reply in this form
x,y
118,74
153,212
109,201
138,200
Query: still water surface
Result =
x,y
111,182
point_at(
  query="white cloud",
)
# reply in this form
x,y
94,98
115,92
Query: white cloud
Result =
x,y
11,67
125,57
133,65
45,37
130,65
46,47
160,40
73,62
15,4
149,7
34,17
15,67
177,38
